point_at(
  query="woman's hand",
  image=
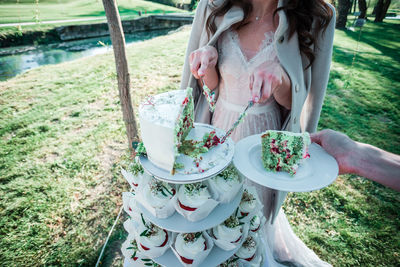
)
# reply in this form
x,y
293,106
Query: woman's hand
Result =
x,y
203,60
270,79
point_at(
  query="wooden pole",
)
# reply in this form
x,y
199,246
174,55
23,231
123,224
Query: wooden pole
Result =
x,y
121,63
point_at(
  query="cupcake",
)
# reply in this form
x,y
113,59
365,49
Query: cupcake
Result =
x,y
130,250
231,262
249,204
228,234
256,222
226,185
158,198
192,248
135,173
248,249
130,205
195,201
152,240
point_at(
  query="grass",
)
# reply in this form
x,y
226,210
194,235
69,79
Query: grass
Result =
x,y
53,10
62,142
28,11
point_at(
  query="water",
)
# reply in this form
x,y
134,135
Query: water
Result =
x,y
16,60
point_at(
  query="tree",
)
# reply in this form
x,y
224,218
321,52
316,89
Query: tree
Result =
x,y
381,9
362,6
121,64
343,10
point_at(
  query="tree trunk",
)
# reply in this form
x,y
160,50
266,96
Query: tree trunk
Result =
x,y
121,63
381,9
343,9
362,6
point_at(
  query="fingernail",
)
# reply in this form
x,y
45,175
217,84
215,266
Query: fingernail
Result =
x,y
256,99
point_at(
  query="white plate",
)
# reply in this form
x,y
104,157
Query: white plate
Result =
x,y
319,171
214,161
178,223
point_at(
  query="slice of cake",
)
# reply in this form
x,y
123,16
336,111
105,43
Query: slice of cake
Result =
x,y
284,151
165,121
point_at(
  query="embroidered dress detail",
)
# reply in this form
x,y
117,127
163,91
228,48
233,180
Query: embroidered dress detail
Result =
x,y
236,65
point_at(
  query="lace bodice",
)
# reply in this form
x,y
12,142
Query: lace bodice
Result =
x,y
236,64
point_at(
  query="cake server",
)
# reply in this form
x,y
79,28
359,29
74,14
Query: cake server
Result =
x,y
237,122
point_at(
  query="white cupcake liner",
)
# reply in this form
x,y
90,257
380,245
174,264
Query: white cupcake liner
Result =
x,y
200,257
263,220
221,195
257,208
130,206
200,213
153,252
159,212
227,245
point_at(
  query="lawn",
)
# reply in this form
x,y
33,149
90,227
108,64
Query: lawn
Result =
x,y
62,143
29,11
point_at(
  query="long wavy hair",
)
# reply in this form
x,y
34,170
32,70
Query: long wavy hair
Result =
x,y
306,17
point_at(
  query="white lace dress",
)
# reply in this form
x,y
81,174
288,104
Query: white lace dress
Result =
x,y
235,66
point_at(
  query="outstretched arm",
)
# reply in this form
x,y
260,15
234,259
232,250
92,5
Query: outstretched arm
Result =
x,y
361,159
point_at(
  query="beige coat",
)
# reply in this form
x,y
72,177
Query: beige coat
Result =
x,y
308,86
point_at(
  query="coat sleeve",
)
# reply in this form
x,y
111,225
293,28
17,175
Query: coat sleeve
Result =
x,y
319,76
198,27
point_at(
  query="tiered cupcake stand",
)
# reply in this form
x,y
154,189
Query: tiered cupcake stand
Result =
x,y
176,223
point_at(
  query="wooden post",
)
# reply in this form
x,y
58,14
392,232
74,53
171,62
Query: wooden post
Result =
x,y
121,63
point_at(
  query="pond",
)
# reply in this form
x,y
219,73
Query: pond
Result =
x,y
16,60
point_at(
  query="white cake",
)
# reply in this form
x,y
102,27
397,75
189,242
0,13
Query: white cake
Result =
x,y
165,121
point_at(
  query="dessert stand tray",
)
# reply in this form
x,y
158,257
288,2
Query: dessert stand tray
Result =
x,y
316,172
214,161
178,223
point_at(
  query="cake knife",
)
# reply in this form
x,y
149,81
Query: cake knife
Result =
x,y
237,122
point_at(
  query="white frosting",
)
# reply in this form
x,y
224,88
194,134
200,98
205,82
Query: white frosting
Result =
x,y
157,126
225,233
157,199
166,108
195,200
225,185
155,240
246,252
189,250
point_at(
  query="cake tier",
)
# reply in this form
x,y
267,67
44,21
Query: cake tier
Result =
x,y
165,119
212,163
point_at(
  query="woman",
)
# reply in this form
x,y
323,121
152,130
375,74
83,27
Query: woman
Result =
x,y
277,54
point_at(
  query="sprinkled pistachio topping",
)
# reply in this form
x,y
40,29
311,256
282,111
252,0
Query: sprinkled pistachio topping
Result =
x,y
229,174
249,242
247,196
232,222
151,230
191,237
163,188
195,188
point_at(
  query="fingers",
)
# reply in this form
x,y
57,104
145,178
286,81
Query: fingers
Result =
x,y
256,88
316,138
203,66
194,66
